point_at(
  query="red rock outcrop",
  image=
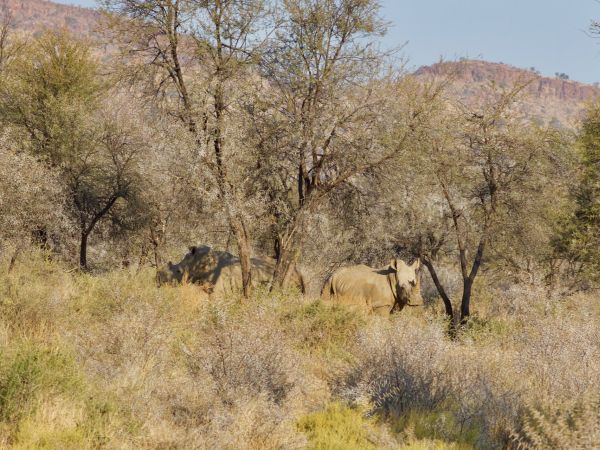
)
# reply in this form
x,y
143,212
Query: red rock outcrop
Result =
x,y
33,16
547,99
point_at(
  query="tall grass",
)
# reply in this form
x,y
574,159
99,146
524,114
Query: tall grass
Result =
x,y
112,361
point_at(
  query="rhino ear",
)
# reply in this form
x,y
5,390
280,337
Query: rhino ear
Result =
x,y
193,249
416,265
394,264
170,265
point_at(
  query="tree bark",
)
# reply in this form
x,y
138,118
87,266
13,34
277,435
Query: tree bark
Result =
x,y
87,230
466,300
288,256
13,258
439,287
83,250
157,239
236,221
244,252
468,281
157,256
289,247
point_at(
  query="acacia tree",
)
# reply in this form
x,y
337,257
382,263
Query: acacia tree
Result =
x,y
320,125
7,48
195,52
177,200
579,235
52,96
103,173
33,205
474,169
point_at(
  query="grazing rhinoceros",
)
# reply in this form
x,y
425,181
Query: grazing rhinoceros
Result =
x,y
379,291
220,272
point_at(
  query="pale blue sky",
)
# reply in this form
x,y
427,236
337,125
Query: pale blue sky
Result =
x,y
549,35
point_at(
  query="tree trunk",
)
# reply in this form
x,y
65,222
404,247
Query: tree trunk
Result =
x,y
244,252
83,250
157,256
143,257
227,192
439,287
287,258
466,300
452,324
87,230
468,281
289,249
157,239
13,258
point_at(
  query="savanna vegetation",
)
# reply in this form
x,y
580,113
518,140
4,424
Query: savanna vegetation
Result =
x,y
281,128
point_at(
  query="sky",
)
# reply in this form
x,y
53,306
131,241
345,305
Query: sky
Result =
x,y
550,35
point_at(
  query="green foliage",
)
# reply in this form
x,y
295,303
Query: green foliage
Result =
x,y
338,428
579,237
51,101
485,329
342,427
437,428
26,371
45,402
323,327
48,91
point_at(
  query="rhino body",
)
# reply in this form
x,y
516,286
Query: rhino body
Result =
x,y
377,291
221,272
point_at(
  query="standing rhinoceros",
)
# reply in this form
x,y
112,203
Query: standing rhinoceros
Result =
x,y
220,272
378,291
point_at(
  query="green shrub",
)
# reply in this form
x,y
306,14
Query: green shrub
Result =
x,y
45,402
27,371
339,427
437,429
320,326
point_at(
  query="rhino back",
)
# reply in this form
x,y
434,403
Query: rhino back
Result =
x,y
362,286
262,269
227,279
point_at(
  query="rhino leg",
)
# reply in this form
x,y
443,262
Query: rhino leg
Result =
x,y
327,291
382,311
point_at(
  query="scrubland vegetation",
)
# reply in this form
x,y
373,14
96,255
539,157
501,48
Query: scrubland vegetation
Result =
x,y
281,129
112,361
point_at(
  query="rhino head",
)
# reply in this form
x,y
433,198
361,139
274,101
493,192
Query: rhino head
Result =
x,y
406,283
169,274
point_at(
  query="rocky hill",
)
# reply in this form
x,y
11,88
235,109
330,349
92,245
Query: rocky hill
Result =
x,y
547,100
33,16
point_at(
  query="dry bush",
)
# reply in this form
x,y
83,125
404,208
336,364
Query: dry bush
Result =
x,y
169,367
253,382
577,427
242,359
407,365
194,373
31,200
484,380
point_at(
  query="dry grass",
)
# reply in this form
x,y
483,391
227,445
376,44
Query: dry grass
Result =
x,y
112,361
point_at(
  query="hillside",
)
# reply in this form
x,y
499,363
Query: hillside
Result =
x,y
548,100
36,15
